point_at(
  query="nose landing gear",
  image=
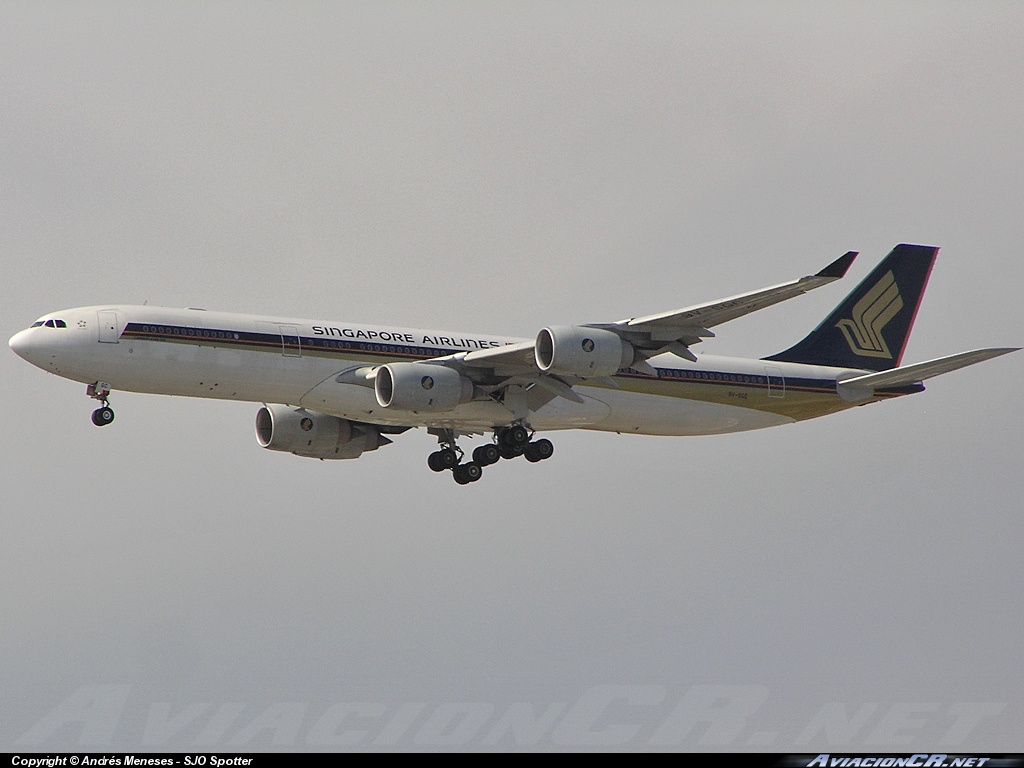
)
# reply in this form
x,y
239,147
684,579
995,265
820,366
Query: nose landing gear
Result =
x,y
100,390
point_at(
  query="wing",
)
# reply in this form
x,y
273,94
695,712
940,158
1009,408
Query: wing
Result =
x,y
676,330
722,311
509,360
493,371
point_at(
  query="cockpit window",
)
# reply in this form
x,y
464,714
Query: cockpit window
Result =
x,y
36,324
49,324
60,324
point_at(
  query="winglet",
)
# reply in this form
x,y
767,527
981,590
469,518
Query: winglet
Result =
x,y
838,267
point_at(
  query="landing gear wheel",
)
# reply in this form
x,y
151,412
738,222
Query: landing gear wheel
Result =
x,y
103,416
466,473
447,458
539,450
510,451
434,462
485,455
517,436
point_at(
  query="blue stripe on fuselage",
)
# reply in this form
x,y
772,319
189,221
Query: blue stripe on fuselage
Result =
x,y
221,337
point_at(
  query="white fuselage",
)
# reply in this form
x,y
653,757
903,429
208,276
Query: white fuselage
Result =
x,y
314,364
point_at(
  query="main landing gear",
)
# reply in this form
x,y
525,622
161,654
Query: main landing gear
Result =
x,y
103,415
509,442
450,457
515,441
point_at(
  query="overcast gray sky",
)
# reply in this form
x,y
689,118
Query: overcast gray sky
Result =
x,y
847,583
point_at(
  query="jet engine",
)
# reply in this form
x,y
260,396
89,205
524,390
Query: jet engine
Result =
x,y
421,387
314,435
572,350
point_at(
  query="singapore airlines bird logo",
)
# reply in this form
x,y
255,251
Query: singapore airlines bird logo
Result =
x,y
870,315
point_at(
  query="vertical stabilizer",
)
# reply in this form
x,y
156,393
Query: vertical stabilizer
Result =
x,y
871,327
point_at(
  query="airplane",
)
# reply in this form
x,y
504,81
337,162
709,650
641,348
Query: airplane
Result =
x,y
332,390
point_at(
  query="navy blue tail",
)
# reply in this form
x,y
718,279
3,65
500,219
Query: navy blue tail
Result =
x,y
871,327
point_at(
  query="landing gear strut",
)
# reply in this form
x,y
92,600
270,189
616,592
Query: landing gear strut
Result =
x,y
100,390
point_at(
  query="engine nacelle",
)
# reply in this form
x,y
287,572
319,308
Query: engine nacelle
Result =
x,y
421,387
314,435
571,350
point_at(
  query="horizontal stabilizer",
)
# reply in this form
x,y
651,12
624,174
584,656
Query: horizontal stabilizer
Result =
x,y
912,374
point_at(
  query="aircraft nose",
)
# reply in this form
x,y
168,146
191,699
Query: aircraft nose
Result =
x,y
32,346
21,344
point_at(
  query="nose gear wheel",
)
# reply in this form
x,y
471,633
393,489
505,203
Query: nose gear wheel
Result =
x,y
103,416
100,390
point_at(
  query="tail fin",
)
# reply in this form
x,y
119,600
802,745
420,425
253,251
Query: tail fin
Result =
x,y
871,327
